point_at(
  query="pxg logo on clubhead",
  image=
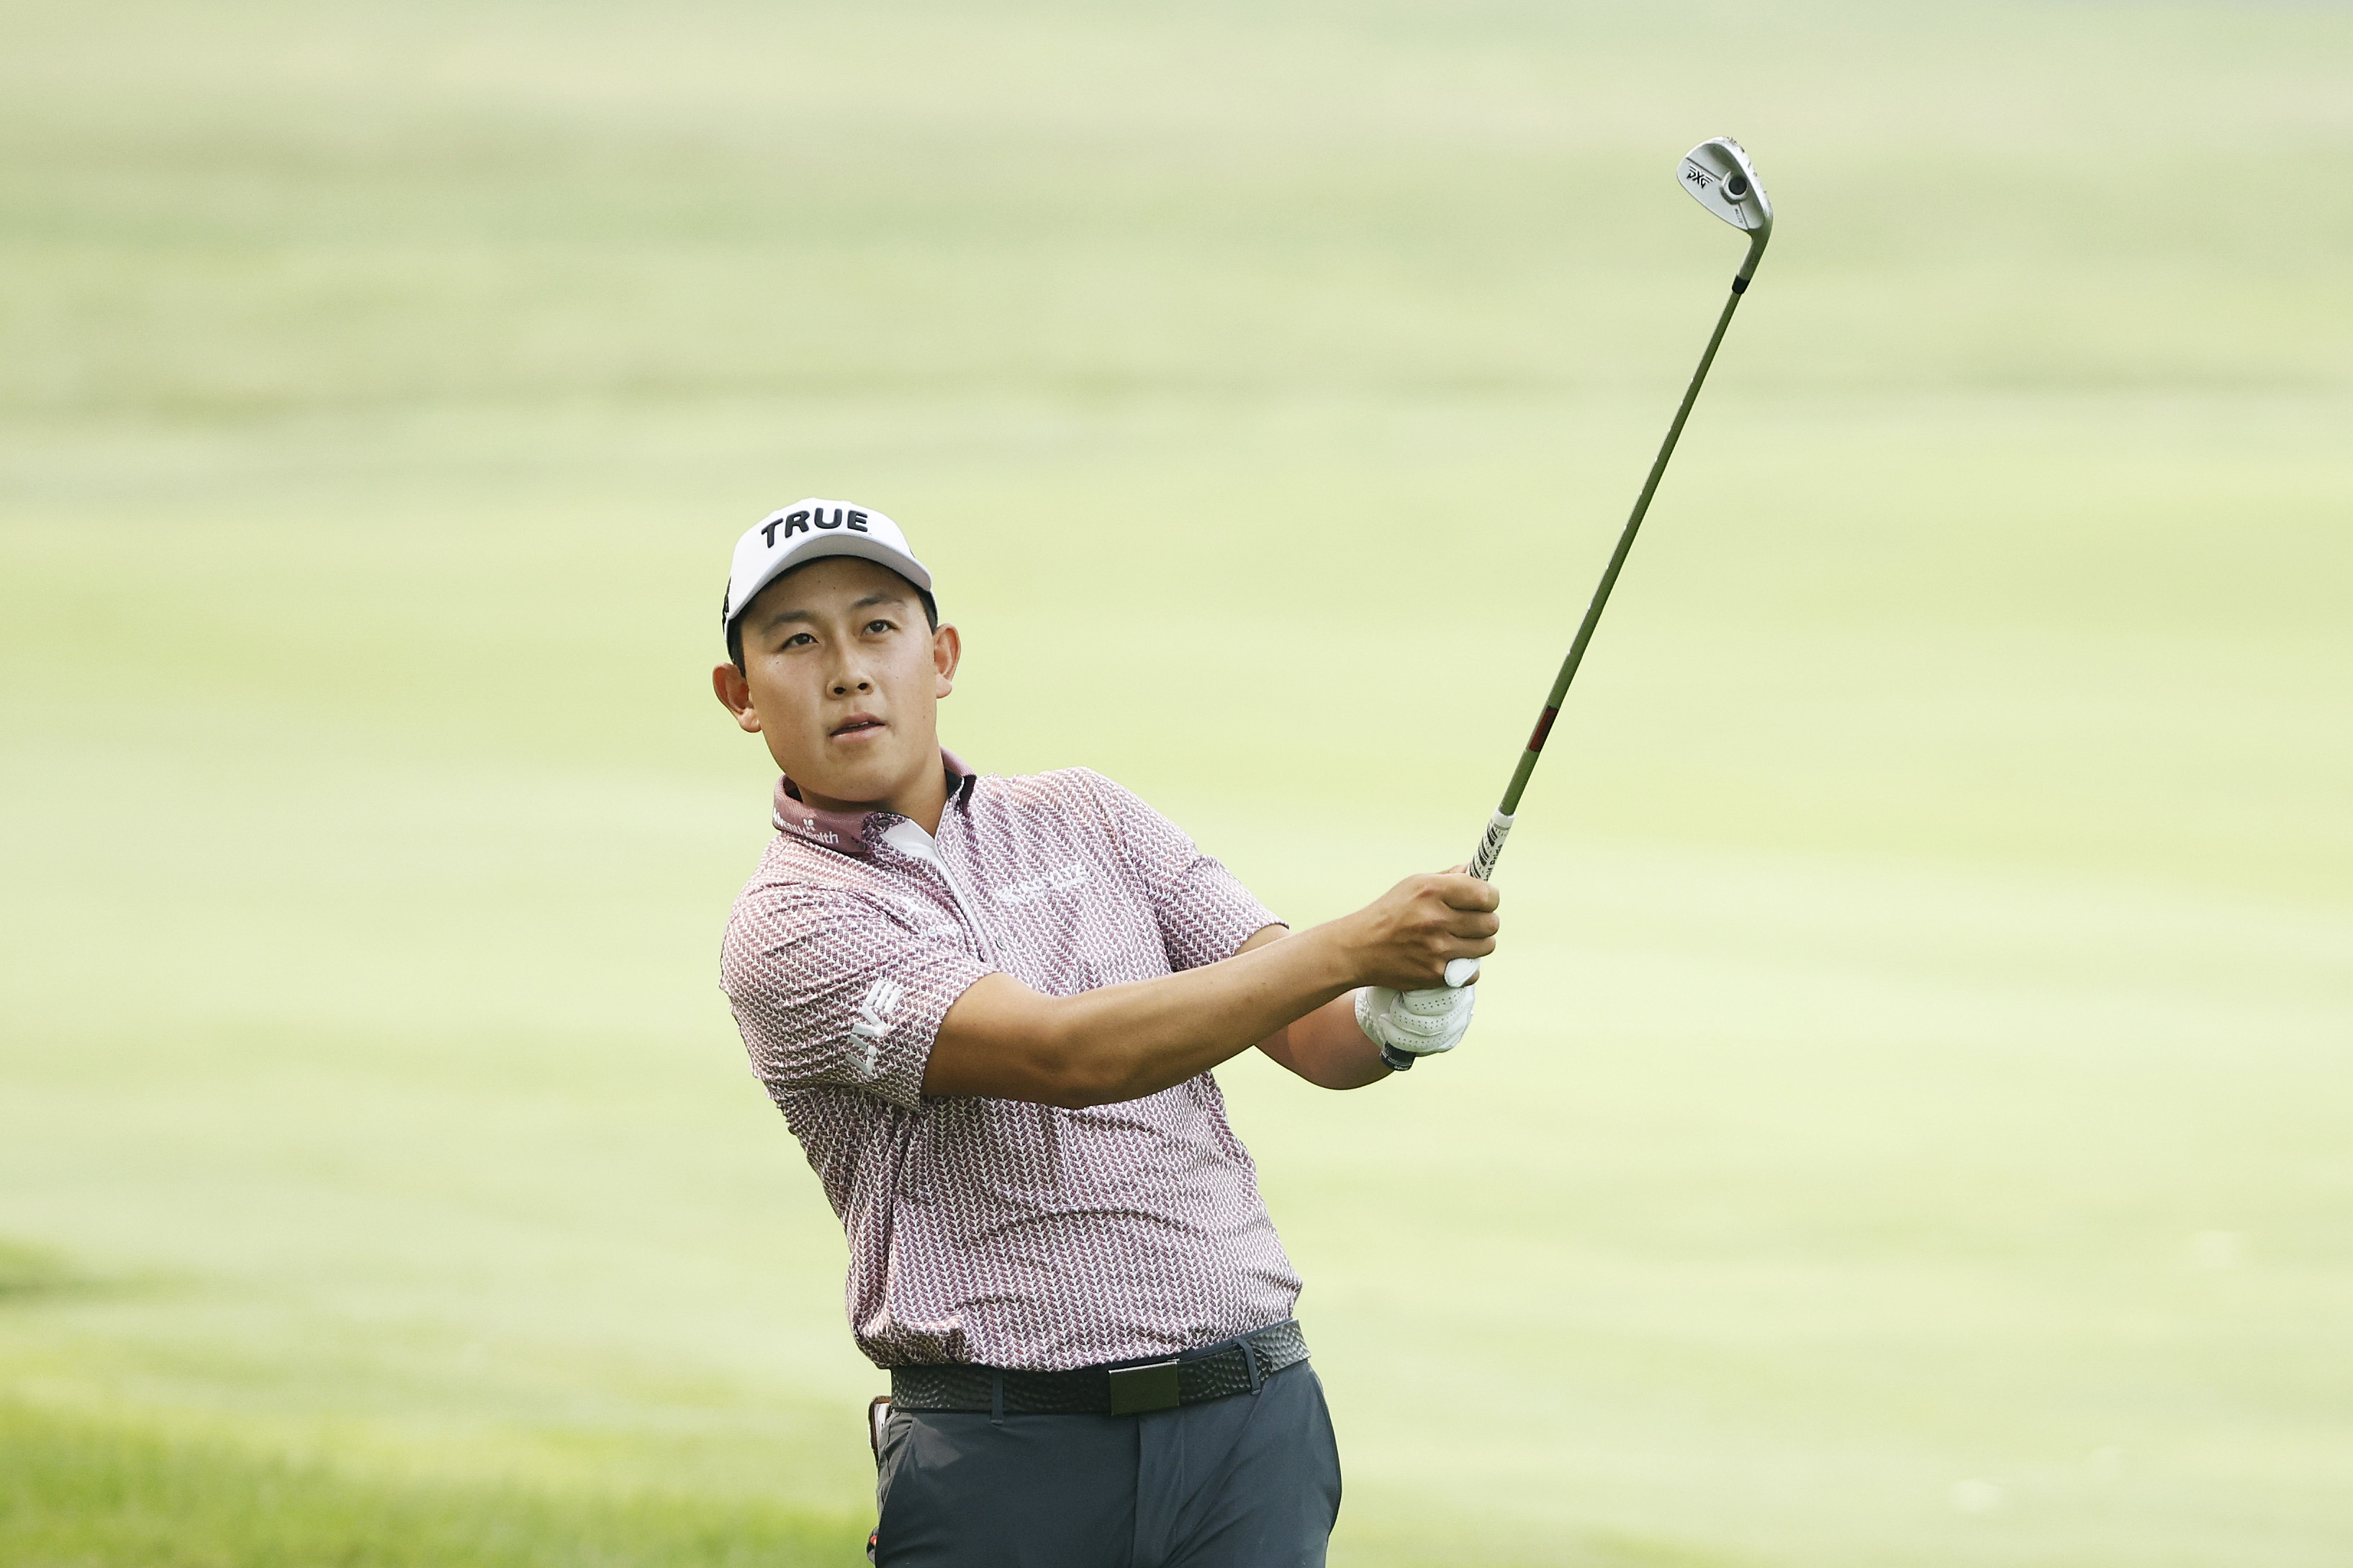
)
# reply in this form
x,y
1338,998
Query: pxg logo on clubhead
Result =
x,y
1719,177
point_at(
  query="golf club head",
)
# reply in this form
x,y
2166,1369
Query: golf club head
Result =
x,y
1719,177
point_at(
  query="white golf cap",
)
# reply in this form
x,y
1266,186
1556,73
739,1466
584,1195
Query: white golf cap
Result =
x,y
810,530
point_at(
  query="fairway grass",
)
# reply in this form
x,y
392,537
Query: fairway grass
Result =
x,y
1904,1127
77,1493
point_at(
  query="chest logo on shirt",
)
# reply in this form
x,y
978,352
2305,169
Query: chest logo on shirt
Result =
x,y
877,1015
1058,881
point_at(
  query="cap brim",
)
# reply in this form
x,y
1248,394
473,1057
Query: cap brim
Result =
x,y
859,545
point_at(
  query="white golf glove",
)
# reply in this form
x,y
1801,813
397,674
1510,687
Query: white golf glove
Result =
x,y
1406,1024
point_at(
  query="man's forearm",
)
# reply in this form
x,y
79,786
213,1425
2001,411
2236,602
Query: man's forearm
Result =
x,y
1327,1049
1005,1041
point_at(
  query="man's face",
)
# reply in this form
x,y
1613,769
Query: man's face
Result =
x,y
843,677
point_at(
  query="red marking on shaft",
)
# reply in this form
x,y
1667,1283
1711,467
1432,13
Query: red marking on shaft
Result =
x,y
1544,728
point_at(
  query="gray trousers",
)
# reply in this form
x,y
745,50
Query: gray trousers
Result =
x,y
1253,1481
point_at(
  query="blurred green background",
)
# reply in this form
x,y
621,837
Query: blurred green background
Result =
x,y
1908,1123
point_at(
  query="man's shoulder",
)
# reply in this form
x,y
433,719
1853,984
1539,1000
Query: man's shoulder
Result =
x,y
794,876
1065,802
1058,789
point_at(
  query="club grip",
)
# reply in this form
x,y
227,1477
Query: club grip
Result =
x,y
1490,848
1461,972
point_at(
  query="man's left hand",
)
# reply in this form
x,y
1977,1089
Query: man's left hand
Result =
x,y
1416,1023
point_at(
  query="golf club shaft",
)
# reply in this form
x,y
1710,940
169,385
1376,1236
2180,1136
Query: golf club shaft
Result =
x,y
1499,826
1718,174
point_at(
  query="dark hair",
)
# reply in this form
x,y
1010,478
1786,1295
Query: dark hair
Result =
x,y
735,627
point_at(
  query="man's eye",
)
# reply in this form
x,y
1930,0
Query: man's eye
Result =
x,y
797,639
878,626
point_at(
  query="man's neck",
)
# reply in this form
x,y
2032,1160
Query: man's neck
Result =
x,y
921,800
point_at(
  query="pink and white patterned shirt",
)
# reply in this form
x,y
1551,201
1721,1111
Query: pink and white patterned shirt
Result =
x,y
995,1231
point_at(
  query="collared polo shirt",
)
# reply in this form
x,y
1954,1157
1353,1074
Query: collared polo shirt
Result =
x,y
996,1231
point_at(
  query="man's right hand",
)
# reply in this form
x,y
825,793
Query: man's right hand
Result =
x,y
1405,939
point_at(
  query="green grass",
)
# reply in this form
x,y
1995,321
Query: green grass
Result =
x,y
78,1494
30,1271
1906,1126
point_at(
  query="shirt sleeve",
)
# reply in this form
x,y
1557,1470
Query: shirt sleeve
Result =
x,y
830,990
1204,912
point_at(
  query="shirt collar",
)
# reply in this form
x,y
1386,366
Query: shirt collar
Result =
x,y
853,832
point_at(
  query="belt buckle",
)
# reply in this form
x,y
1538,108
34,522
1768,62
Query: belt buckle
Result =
x,y
1136,1389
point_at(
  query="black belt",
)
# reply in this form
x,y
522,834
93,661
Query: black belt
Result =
x,y
1216,1372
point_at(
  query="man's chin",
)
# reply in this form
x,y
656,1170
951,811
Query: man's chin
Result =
x,y
862,774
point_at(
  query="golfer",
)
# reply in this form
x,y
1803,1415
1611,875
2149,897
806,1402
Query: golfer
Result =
x,y
988,1008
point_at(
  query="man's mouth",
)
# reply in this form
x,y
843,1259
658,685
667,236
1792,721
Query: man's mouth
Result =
x,y
855,724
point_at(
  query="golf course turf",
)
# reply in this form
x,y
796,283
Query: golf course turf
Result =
x,y
1906,1123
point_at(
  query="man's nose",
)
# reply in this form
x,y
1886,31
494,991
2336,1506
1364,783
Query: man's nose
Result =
x,y
849,682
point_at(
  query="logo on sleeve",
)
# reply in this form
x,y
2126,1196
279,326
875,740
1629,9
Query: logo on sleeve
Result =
x,y
877,1016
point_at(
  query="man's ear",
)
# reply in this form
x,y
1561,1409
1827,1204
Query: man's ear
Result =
x,y
947,652
734,694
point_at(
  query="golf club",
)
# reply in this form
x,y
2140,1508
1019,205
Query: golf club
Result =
x,y
1719,177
